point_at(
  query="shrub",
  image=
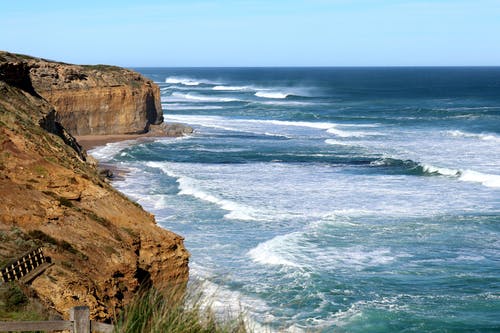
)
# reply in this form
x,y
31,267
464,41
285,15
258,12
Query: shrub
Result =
x,y
14,298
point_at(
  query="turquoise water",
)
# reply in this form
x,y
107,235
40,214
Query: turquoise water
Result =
x,y
332,199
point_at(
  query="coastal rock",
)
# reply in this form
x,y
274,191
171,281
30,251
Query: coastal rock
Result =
x,y
91,100
103,246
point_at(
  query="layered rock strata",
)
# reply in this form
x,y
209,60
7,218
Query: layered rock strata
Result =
x,y
96,99
103,246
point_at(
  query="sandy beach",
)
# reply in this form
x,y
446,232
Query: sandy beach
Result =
x,y
91,141
156,131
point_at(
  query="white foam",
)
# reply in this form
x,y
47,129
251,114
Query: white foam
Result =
x,y
344,134
294,250
265,253
181,80
187,81
275,95
232,88
108,151
488,180
201,98
481,136
337,143
442,171
189,186
286,103
178,106
242,125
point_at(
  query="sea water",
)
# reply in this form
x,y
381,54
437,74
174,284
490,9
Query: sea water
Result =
x,y
331,199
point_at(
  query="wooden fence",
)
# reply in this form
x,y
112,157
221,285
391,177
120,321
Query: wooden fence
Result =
x,y
23,266
79,322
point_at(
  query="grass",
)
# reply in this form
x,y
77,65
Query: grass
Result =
x,y
155,311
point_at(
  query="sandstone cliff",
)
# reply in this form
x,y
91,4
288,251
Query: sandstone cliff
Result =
x,y
95,99
103,246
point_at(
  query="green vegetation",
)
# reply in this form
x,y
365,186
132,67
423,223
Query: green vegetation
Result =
x,y
14,305
155,311
102,68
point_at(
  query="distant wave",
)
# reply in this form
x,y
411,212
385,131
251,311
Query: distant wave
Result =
x,y
242,125
189,186
179,106
186,81
222,123
232,88
481,136
489,180
202,98
275,95
285,102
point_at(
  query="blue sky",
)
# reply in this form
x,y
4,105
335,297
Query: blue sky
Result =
x,y
255,32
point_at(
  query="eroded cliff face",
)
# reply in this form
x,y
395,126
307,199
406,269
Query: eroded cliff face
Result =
x,y
103,246
95,99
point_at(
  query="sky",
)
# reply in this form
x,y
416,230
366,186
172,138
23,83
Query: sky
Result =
x,y
186,33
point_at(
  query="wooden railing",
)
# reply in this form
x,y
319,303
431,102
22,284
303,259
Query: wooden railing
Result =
x,y
23,266
79,322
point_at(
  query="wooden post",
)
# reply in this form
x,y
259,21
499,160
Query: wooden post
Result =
x,y
80,316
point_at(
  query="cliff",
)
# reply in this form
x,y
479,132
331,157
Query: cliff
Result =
x,y
94,99
103,246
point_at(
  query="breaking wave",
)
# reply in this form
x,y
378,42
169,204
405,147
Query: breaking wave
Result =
x,y
201,98
189,186
421,169
275,95
481,136
232,88
186,81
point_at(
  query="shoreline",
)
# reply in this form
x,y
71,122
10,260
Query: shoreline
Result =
x,y
89,142
163,130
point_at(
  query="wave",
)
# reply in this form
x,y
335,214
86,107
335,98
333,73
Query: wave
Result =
x,y
481,136
178,106
107,152
232,88
201,98
295,251
286,103
416,168
265,253
337,143
188,186
345,134
486,179
242,125
274,95
186,81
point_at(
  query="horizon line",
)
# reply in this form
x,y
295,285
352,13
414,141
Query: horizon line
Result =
x,y
327,66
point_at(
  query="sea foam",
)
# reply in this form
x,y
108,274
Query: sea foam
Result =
x,y
186,81
189,186
481,136
202,98
276,95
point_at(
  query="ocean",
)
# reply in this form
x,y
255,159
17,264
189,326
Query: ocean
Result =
x,y
331,199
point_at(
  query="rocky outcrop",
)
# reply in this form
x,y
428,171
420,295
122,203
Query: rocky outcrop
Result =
x,y
103,246
94,99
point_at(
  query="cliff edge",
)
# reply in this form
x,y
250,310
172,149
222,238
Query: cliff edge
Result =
x,y
102,245
94,100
